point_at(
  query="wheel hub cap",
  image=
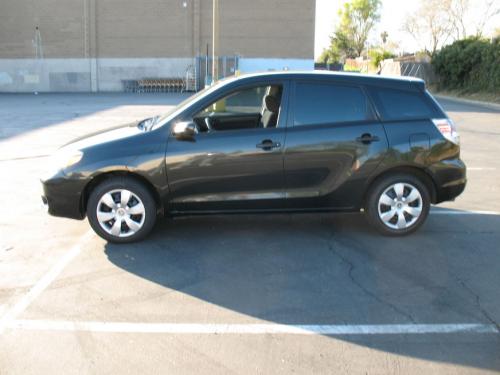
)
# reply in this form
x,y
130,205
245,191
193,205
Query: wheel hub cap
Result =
x,y
400,206
121,213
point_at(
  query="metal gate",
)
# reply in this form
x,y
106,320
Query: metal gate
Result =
x,y
228,65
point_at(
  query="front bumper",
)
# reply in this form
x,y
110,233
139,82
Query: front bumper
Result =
x,y
63,197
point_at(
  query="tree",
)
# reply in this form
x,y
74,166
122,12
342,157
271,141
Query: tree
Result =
x,y
357,19
490,9
471,64
328,56
378,55
457,10
439,21
430,25
464,23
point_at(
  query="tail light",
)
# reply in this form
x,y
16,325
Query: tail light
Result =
x,y
447,129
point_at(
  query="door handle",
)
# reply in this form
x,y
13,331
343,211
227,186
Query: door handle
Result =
x,y
268,144
367,138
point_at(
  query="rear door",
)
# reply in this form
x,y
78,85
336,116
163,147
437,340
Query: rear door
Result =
x,y
334,141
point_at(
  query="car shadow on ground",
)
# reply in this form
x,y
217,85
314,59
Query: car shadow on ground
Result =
x,y
334,269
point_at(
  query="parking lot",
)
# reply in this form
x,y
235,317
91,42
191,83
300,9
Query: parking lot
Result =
x,y
275,294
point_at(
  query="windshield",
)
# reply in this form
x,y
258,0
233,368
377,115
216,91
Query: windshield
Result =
x,y
166,117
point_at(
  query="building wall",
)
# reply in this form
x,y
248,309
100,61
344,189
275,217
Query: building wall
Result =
x,y
91,45
61,24
262,28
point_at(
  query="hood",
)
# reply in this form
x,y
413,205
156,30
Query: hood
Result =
x,y
105,136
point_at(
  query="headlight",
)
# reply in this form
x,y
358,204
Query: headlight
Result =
x,y
61,160
67,159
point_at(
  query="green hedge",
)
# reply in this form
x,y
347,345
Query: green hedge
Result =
x,y
470,64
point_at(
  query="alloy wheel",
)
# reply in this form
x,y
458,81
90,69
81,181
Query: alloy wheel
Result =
x,y
400,206
121,213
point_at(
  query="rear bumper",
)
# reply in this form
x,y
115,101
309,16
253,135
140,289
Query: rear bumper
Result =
x,y
62,197
450,178
450,192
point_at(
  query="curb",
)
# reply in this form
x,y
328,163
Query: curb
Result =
x,y
489,105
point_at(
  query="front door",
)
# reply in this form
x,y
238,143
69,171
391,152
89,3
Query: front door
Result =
x,y
235,161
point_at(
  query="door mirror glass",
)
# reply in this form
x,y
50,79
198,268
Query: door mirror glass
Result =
x,y
185,130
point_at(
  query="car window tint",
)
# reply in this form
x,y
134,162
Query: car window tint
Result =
x,y
396,104
317,103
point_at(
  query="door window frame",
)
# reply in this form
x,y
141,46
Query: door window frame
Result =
x,y
223,92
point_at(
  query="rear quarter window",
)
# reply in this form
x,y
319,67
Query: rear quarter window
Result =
x,y
395,104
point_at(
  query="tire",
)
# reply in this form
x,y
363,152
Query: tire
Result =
x,y
121,210
398,204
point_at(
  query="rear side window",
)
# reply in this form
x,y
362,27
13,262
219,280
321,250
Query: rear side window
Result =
x,y
396,104
318,103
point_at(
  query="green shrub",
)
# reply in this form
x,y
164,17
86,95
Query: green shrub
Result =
x,y
470,64
352,68
377,56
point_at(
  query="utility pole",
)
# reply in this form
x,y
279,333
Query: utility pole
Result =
x,y
215,41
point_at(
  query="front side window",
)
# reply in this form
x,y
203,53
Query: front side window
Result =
x,y
321,103
253,107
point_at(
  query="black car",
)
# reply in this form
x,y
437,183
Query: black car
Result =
x,y
270,142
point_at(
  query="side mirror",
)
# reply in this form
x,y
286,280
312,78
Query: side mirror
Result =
x,y
185,130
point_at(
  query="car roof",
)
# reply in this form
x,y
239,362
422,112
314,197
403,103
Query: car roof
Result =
x,y
358,78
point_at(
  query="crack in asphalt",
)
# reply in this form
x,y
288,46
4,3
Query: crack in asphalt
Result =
x,y
477,299
363,288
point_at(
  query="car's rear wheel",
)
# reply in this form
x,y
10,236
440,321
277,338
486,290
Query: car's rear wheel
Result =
x,y
121,210
398,204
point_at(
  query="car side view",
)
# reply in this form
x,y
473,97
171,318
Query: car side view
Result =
x,y
269,142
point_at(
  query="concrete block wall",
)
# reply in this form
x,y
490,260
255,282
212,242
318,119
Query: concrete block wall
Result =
x,y
91,45
74,75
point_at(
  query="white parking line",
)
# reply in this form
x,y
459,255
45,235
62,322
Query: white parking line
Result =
x,y
256,329
469,212
43,283
481,168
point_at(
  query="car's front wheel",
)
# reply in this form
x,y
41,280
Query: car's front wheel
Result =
x,y
121,210
398,204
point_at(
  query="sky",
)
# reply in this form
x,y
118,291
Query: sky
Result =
x,y
393,12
